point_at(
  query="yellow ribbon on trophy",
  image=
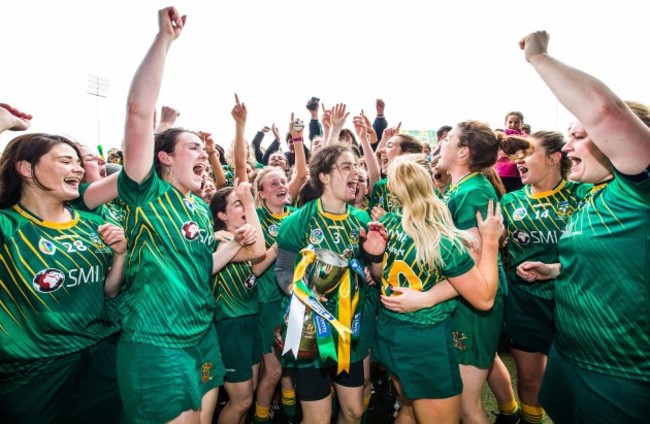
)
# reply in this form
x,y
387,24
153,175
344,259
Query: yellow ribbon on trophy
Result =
x,y
341,323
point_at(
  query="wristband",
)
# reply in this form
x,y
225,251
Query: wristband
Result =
x,y
211,152
374,259
296,139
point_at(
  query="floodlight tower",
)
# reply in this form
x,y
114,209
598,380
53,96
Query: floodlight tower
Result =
x,y
98,87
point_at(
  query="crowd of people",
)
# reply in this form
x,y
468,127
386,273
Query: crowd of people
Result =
x,y
133,287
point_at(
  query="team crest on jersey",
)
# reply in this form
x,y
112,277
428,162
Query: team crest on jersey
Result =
x,y
459,336
46,246
563,208
520,213
521,237
273,230
48,280
316,236
354,236
96,240
206,372
250,281
118,216
189,204
190,230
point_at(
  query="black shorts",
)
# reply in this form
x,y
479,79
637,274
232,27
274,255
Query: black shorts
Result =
x,y
316,383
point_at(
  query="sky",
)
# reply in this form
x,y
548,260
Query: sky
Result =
x,y
433,63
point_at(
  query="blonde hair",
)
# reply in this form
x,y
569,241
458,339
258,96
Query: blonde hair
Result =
x,y
425,218
258,185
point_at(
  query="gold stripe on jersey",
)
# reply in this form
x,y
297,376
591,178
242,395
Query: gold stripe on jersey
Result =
x,y
49,224
18,285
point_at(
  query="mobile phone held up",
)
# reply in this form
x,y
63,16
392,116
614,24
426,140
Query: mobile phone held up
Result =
x,y
313,103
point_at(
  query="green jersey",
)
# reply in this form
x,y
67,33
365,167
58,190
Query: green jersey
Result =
x,y
235,291
168,300
472,193
311,225
402,269
382,197
535,223
602,295
112,212
51,286
268,288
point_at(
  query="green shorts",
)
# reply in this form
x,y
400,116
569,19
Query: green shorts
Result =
x,y
80,387
240,347
368,324
422,358
476,334
571,394
528,321
157,384
269,318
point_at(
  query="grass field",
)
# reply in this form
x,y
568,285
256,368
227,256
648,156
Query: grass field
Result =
x,y
490,403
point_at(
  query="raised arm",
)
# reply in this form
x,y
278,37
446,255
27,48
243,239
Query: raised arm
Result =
x,y
143,94
239,114
13,119
338,117
362,130
300,171
610,123
168,117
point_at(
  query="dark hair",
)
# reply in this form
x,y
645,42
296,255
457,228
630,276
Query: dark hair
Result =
x,y
482,143
516,113
222,154
552,142
218,203
166,141
410,144
321,163
495,181
30,148
443,129
511,144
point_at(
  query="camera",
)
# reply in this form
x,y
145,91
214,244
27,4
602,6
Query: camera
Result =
x,y
313,103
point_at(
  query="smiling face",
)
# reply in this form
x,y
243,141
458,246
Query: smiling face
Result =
x,y
185,165
513,122
59,170
589,164
536,165
342,179
278,160
275,189
94,165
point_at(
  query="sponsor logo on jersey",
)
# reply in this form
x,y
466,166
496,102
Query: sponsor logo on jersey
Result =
x,y
316,236
46,246
250,281
354,236
48,280
273,230
190,230
521,237
189,204
520,213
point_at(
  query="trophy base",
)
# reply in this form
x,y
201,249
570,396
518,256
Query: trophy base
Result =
x,y
308,347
